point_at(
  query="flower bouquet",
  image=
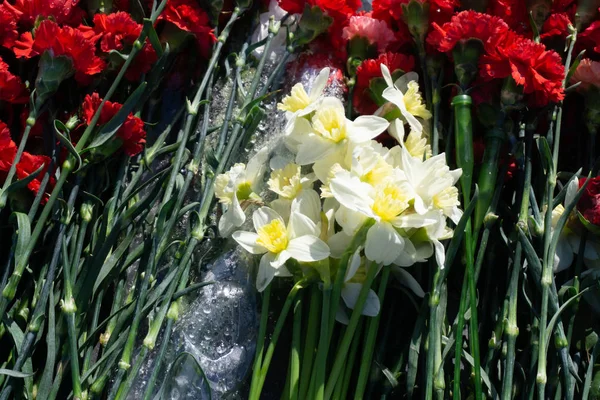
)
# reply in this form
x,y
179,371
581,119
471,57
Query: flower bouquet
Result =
x,y
409,186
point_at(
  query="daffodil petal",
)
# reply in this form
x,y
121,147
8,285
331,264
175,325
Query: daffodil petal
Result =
x,y
301,225
366,127
248,241
263,216
265,272
308,248
353,265
319,84
350,293
407,280
233,218
383,244
338,243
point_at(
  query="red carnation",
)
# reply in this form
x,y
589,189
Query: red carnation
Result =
x,y
12,89
388,10
188,16
116,30
60,11
131,133
8,26
65,41
370,69
28,163
538,70
464,26
292,6
556,25
513,12
589,203
590,37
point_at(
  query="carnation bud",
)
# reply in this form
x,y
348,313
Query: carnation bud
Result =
x,y
311,25
52,71
416,16
466,55
86,211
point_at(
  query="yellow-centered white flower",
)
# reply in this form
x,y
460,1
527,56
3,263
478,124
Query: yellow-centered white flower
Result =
x,y
278,243
239,185
404,94
330,132
354,279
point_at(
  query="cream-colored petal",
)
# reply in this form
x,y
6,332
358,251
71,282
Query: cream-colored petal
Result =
x,y
308,248
383,244
248,241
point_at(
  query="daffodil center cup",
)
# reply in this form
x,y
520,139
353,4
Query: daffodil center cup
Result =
x,y
389,202
330,123
273,236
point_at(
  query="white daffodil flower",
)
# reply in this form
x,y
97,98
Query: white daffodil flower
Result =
x,y
278,243
415,143
404,94
432,183
330,133
299,104
569,240
354,279
386,204
239,185
289,183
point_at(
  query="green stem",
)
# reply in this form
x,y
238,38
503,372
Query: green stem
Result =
x,y
295,351
345,383
276,332
373,327
432,337
260,342
310,341
322,349
350,330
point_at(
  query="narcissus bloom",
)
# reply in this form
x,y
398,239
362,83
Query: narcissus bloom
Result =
x,y
370,69
405,95
62,41
278,243
237,187
132,133
12,89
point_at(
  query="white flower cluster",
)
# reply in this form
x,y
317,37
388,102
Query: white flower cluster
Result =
x,y
340,179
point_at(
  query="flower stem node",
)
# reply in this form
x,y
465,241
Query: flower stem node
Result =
x,y
104,338
541,378
490,219
31,121
86,211
10,289
192,109
68,306
560,342
173,312
137,44
124,365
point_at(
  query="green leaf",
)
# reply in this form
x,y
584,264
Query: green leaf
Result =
x,y
20,184
163,215
484,377
64,139
574,65
45,385
109,130
112,261
562,308
545,155
530,254
18,336
23,233
153,37
415,348
15,374
178,364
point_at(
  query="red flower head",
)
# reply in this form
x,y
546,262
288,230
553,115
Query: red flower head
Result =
x,y
8,26
292,6
28,163
12,89
556,25
375,31
188,16
116,30
589,203
590,37
513,12
464,26
8,148
131,133
65,41
539,71
60,11
370,69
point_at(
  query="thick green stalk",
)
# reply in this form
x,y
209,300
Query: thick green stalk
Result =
x,y
322,349
310,341
345,383
464,159
340,358
276,332
373,327
488,172
294,374
260,341
511,328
